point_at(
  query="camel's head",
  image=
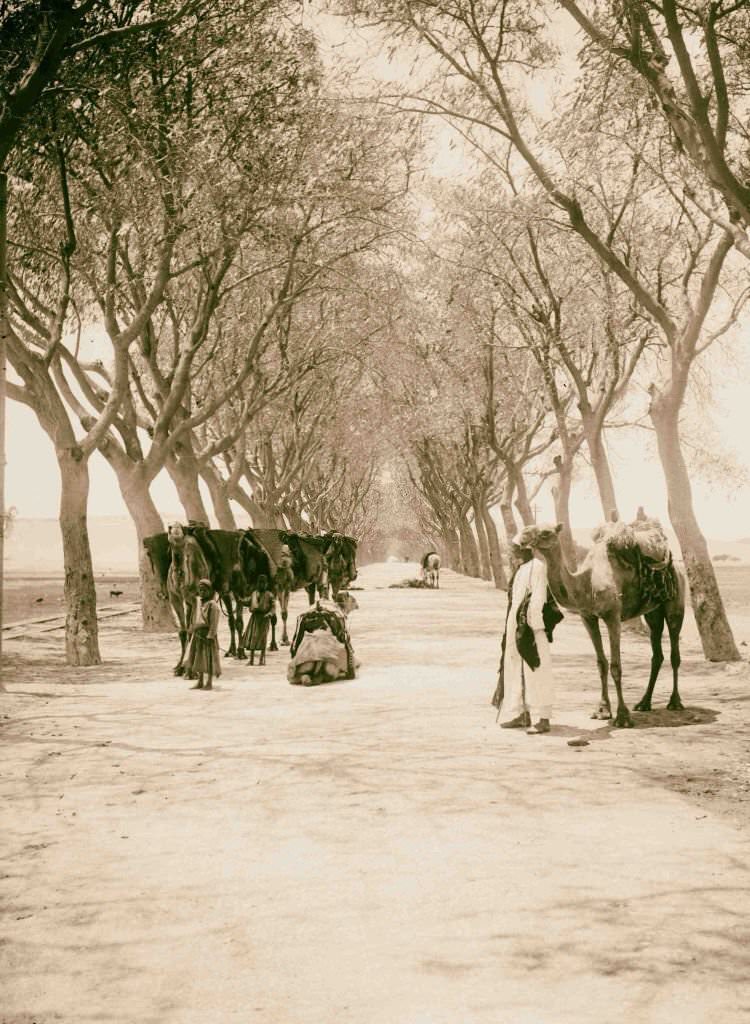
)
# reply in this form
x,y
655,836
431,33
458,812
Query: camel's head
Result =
x,y
175,533
540,538
346,602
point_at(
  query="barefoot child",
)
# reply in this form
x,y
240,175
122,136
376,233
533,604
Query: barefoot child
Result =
x,y
204,658
262,607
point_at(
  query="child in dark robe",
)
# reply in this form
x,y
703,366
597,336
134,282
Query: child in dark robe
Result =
x,y
204,657
262,606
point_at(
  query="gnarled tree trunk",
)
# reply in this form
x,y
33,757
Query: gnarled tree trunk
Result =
x,y
451,549
561,498
184,474
469,551
716,635
522,499
484,546
81,627
600,464
496,558
219,499
155,611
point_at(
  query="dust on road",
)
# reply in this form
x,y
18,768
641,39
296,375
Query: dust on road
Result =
x,y
376,851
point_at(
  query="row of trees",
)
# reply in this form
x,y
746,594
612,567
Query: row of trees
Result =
x,y
599,248
189,221
218,268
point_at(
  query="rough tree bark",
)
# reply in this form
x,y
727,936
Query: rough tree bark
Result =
x,y
469,550
219,499
485,563
600,465
184,474
81,630
451,549
561,498
710,616
496,558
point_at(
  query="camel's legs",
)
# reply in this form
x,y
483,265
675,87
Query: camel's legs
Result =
x,y
239,624
179,669
179,613
622,718
274,646
311,593
674,625
655,620
190,606
591,622
228,605
284,606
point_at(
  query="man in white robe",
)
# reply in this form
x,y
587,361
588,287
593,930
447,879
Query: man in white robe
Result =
x,y
520,709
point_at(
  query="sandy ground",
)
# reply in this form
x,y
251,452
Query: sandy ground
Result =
x,y
370,852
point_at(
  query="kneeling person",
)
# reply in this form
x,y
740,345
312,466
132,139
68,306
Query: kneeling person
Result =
x,y
321,649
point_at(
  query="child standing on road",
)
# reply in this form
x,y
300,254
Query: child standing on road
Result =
x,y
204,658
262,605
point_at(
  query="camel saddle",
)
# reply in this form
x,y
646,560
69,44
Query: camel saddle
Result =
x,y
642,545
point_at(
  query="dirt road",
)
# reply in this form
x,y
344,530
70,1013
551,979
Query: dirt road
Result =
x,y
371,852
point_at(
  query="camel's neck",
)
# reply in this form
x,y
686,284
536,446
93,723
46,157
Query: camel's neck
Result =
x,y
188,561
572,590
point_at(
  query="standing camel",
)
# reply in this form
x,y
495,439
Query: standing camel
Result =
x,y
615,586
188,566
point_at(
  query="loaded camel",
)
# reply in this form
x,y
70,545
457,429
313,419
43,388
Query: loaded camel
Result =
x,y
229,560
314,563
187,567
612,585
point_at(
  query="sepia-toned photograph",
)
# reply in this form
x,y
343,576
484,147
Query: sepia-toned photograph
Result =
x,y
374,512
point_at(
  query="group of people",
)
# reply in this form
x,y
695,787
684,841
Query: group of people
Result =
x,y
321,650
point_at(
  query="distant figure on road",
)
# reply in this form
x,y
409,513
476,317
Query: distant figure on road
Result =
x,y
431,569
204,657
525,684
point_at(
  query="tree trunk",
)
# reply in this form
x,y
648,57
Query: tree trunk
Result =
x,y
219,499
185,478
155,611
296,522
260,519
469,551
485,564
509,521
3,345
710,616
522,499
81,627
602,473
561,498
451,550
496,558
